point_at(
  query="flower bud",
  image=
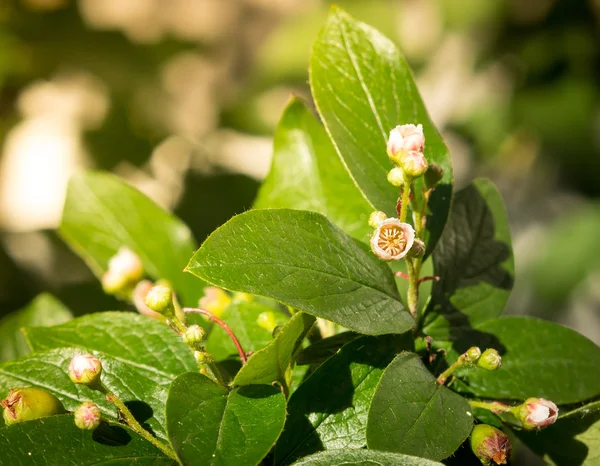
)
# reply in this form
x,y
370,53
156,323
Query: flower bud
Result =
x,y
405,138
414,164
85,369
202,357
490,445
160,299
417,249
472,355
395,177
490,360
113,283
433,175
194,335
267,321
87,416
27,404
392,239
376,218
536,413
215,300
139,299
124,270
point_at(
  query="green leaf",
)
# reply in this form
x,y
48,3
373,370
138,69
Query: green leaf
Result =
x,y
56,440
44,310
301,259
241,317
574,440
102,213
272,363
307,174
363,88
329,410
412,414
474,262
363,458
207,424
539,359
147,356
320,351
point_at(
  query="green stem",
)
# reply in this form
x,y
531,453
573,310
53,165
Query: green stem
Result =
x,y
404,205
137,427
448,372
413,288
494,406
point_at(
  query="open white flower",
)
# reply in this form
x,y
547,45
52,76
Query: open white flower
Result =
x,y
392,239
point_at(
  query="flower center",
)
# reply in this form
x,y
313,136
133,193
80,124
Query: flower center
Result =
x,y
391,239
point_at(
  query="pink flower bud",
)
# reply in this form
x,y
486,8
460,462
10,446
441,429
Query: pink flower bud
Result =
x,y
405,138
85,369
414,164
87,416
392,239
490,445
537,413
215,300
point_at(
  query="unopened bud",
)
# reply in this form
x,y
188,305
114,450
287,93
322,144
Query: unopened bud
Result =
x,y
490,445
139,299
85,369
395,177
125,269
392,239
433,175
490,360
536,413
405,138
87,416
414,165
418,248
27,404
472,355
113,283
160,299
215,300
267,320
377,218
202,357
194,335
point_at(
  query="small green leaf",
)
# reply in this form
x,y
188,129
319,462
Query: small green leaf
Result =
x,y
412,414
363,88
207,424
102,213
307,174
363,458
241,317
474,262
329,410
271,363
539,359
301,259
44,310
574,440
56,440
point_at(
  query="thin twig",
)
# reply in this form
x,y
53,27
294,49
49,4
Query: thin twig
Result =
x,y
429,277
224,326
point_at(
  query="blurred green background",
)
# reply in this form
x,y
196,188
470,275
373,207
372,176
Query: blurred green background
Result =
x,y
181,98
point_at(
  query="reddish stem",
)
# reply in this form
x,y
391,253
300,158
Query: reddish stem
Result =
x,y
224,326
403,275
431,277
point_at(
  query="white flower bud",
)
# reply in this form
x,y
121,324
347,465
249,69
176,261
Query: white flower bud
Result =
x,y
414,164
395,177
405,138
85,369
536,413
124,270
392,239
376,218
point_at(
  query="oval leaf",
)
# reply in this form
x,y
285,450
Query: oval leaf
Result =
x,y
411,413
207,424
56,440
363,458
363,88
474,261
307,174
539,359
102,213
301,259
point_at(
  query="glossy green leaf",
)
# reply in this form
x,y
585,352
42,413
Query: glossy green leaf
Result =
x,y
102,213
207,424
474,262
320,351
301,259
272,363
241,317
329,410
412,414
363,88
574,440
363,458
147,356
307,174
56,440
44,310
539,358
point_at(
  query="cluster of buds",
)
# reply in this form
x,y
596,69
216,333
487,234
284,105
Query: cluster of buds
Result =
x,y
125,269
490,445
392,239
